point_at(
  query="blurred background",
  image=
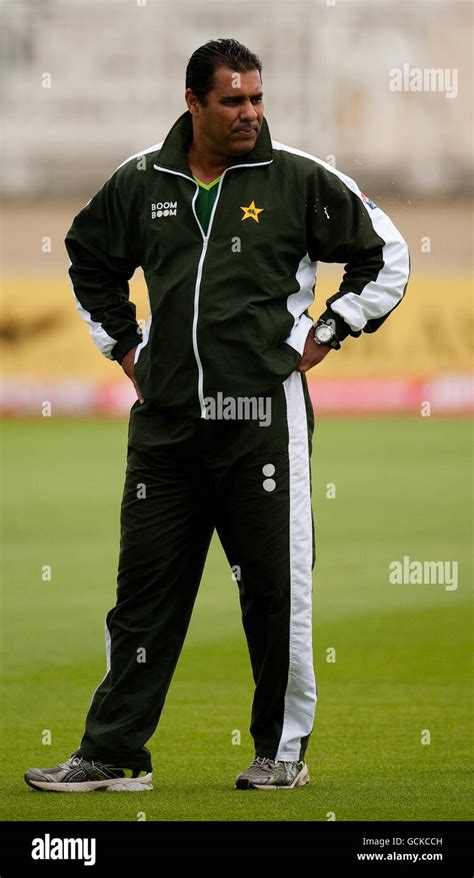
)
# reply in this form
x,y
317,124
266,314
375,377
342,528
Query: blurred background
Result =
x,y
87,83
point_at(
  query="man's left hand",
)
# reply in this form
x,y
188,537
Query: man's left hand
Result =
x,y
313,353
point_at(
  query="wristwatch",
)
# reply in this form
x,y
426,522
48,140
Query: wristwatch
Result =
x,y
325,333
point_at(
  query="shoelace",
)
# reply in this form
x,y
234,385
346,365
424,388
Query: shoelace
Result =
x,y
77,760
263,762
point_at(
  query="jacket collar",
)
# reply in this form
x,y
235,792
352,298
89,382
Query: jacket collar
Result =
x,y
174,151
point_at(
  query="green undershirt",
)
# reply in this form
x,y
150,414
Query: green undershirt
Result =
x,y
205,201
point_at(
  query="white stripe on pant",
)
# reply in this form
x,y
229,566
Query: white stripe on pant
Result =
x,y
301,693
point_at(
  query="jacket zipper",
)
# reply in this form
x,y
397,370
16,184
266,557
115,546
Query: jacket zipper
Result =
x,y
197,286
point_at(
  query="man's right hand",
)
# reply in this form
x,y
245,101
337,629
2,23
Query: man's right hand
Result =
x,y
128,366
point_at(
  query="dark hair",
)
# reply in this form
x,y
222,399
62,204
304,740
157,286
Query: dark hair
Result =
x,y
213,54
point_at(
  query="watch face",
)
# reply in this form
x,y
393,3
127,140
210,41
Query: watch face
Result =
x,y
324,333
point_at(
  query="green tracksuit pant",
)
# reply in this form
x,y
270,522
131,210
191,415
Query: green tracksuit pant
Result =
x,y
251,482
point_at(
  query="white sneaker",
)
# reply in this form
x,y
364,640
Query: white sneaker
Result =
x,y
266,774
79,775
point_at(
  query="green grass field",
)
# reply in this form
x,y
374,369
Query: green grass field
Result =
x,y
402,651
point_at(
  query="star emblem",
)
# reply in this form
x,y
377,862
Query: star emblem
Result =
x,y
251,212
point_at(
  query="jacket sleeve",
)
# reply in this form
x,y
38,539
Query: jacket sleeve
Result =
x,y
346,226
103,259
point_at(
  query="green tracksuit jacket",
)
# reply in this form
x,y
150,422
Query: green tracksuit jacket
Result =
x,y
229,306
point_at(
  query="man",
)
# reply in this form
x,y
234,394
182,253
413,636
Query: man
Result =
x,y
228,226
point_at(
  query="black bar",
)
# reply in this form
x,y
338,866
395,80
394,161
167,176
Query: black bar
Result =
x,y
130,846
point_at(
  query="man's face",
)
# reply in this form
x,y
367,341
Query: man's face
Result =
x,y
230,122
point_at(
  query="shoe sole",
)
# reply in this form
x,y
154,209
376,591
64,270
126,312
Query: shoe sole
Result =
x,y
114,785
300,780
